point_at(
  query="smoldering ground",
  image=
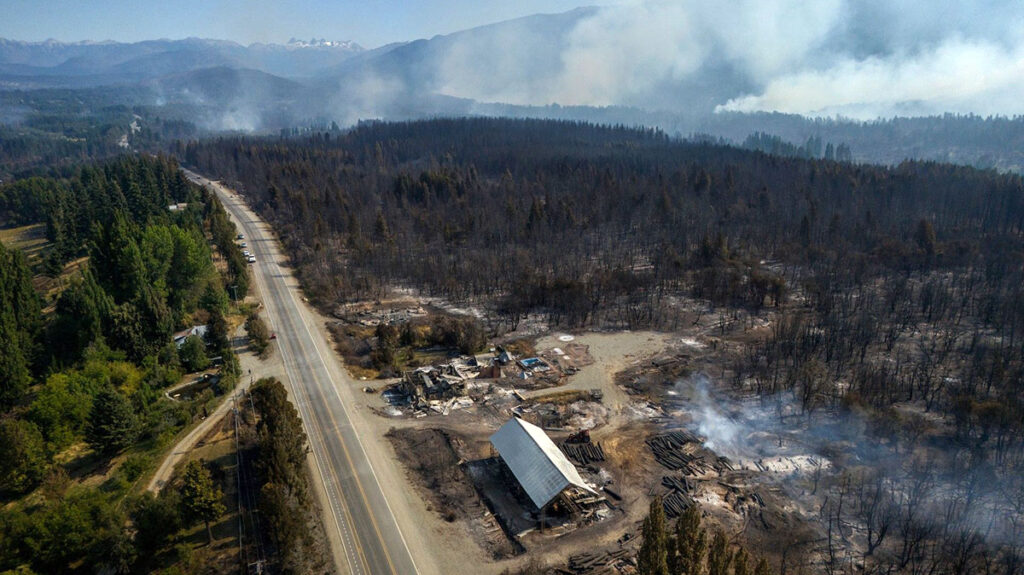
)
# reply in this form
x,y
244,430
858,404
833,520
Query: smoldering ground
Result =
x,y
896,489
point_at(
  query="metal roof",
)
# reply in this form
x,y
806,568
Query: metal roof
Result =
x,y
539,466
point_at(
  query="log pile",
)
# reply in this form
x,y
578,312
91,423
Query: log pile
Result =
x,y
668,450
682,451
583,453
597,563
675,503
674,483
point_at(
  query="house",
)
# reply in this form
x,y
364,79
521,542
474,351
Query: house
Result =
x,y
540,467
181,336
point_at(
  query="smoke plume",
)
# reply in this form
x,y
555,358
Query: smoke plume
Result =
x,y
863,58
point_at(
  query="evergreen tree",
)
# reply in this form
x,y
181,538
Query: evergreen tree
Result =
x,y
719,556
20,321
83,314
217,338
112,423
200,498
690,543
653,556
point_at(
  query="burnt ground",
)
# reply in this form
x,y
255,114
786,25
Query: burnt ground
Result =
x,y
436,468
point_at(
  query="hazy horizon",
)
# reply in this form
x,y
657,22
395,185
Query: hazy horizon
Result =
x,y
371,25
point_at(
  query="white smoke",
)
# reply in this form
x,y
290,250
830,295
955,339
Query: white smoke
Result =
x,y
723,434
862,58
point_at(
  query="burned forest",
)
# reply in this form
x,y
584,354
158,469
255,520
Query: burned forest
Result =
x,y
861,327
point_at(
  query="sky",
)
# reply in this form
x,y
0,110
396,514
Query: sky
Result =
x,y
371,23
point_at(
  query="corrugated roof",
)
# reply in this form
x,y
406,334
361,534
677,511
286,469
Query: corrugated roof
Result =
x,y
539,466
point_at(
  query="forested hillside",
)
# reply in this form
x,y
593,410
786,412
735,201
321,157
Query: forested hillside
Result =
x,y
883,286
82,408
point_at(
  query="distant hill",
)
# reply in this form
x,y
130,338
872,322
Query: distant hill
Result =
x,y
580,65
84,64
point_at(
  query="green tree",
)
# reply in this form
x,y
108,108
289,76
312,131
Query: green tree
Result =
x,y
156,519
61,408
383,355
112,423
719,556
83,314
24,455
73,531
118,259
282,441
20,321
14,373
259,335
214,298
652,558
200,498
217,337
690,543
192,354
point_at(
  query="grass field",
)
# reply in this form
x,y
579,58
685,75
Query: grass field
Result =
x,y
31,241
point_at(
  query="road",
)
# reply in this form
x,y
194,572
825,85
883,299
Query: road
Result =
x,y
370,539
187,443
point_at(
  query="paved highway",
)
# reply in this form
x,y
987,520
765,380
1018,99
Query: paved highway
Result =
x,y
369,536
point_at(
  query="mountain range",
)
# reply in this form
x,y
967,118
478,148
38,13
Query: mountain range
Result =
x,y
607,65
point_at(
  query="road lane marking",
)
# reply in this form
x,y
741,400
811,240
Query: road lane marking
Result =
x,y
266,264
356,568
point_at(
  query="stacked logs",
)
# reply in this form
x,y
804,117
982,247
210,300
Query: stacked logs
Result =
x,y
679,484
675,503
595,563
667,449
583,453
678,499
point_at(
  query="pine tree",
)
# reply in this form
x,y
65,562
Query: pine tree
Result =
x,y
653,556
719,556
217,337
200,497
112,423
690,542
20,321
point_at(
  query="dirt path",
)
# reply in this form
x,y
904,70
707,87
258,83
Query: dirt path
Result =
x,y
612,352
252,369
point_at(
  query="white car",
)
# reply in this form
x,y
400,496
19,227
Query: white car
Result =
x,y
245,245
246,253
252,259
